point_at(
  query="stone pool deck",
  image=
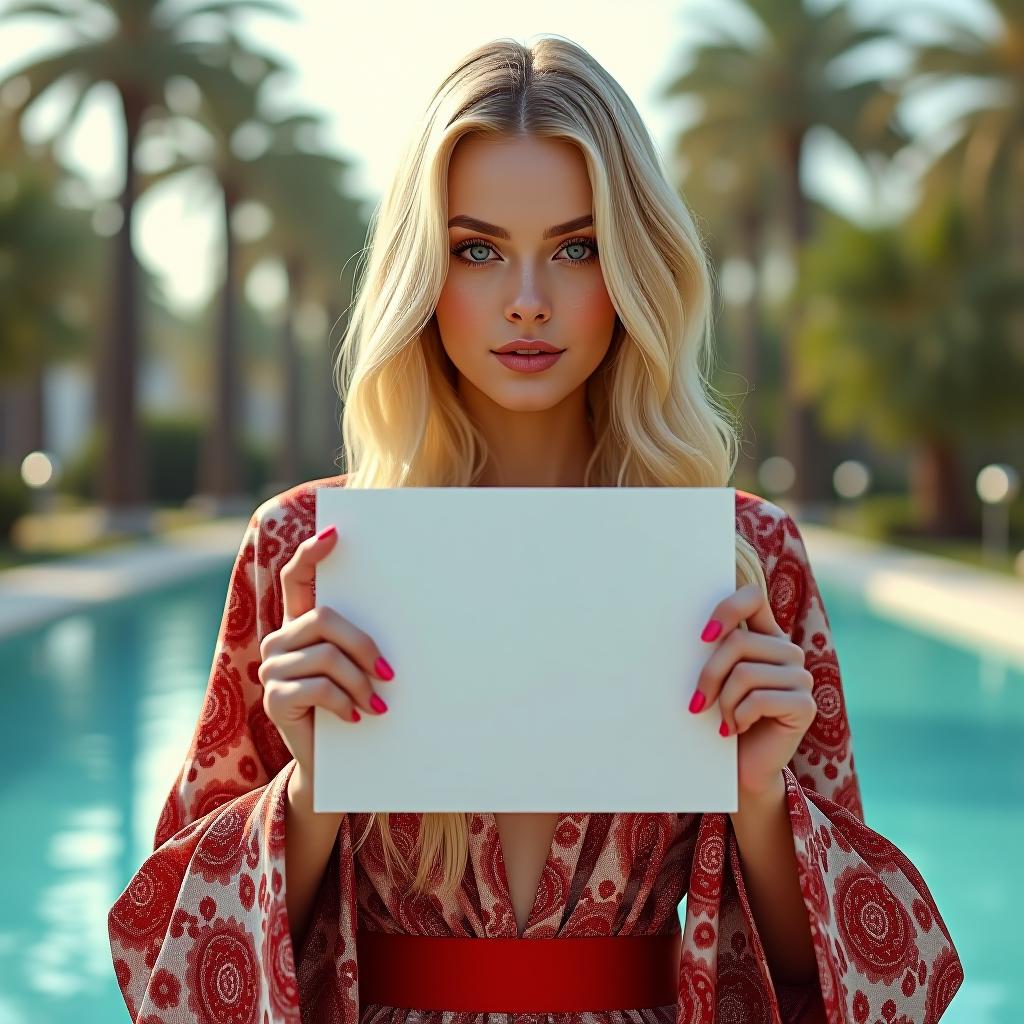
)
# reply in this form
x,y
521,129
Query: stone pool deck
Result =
x,y
34,594
956,602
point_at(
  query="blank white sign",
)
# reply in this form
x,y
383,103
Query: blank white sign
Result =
x,y
545,642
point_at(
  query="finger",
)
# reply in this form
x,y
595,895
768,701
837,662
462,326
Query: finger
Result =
x,y
745,678
739,646
747,605
326,659
297,696
793,707
324,623
299,573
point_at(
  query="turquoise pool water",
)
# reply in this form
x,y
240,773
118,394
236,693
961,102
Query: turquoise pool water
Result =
x,y
100,707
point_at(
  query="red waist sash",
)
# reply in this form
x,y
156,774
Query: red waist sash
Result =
x,y
426,972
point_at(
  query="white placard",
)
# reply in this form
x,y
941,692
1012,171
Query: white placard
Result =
x,y
545,642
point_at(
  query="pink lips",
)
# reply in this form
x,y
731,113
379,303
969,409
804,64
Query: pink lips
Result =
x,y
528,364
531,343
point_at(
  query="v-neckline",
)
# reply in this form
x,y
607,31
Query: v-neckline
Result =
x,y
549,864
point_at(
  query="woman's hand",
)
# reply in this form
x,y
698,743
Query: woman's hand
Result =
x,y
757,675
317,657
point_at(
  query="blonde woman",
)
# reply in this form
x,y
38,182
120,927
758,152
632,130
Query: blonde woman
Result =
x,y
530,215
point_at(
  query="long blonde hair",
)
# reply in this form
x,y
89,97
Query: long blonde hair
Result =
x,y
656,419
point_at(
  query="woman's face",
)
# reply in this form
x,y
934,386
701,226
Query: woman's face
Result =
x,y
524,270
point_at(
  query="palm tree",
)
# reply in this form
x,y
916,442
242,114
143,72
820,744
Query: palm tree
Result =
x,y
313,231
145,44
222,114
317,227
985,161
909,336
766,95
47,265
727,183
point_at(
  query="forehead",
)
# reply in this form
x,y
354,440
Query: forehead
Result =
x,y
525,184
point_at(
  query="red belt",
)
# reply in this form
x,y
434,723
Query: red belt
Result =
x,y
426,972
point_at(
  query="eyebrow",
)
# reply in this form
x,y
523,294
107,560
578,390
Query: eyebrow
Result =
x,y
475,224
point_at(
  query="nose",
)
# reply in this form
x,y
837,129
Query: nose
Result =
x,y
529,305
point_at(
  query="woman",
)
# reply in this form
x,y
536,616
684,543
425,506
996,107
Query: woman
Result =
x,y
531,211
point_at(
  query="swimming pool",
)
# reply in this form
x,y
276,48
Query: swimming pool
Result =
x,y
100,707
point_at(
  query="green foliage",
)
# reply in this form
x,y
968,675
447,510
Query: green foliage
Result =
x,y
909,333
256,469
15,500
171,454
889,518
48,259
882,516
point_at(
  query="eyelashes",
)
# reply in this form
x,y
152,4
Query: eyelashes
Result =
x,y
470,243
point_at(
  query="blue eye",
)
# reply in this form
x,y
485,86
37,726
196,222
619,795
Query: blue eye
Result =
x,y
479,243
471,244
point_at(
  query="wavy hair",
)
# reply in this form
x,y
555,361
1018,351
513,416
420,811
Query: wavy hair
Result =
x,y
656,418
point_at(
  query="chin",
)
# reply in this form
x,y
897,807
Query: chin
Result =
x,y
540,402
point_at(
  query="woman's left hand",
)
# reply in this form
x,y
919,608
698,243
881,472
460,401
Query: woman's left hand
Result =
x,y
763,690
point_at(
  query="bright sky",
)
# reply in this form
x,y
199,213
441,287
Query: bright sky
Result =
x,y
370,68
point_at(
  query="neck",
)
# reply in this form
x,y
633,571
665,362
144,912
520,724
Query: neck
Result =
x,y
545,448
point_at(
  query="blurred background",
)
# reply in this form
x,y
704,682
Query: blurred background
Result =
x,y
185,189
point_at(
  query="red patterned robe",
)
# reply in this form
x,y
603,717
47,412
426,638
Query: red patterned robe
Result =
x,y
201,932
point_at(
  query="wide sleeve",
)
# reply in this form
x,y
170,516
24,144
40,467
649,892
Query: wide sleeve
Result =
x,y
883,951
201,931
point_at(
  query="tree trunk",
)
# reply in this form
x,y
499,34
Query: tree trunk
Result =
x,y
937,495
750,341
36,393
332,439
802,443
20,429
220,474
121,485
288,453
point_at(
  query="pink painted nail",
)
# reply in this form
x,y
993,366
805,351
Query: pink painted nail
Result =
x,y
697,702
378,705
355,715
383,669
326,532
711,630
723,729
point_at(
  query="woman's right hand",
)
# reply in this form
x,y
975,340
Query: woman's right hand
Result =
x,y
317,657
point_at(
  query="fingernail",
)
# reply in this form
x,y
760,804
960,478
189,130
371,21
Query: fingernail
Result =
x,y
723,729
711,630
355,715
696,702
378,705
326,532
383,669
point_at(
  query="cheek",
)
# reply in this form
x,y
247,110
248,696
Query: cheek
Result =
x,y
460,309
594,312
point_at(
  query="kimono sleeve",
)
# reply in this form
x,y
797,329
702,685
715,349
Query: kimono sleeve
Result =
x,y
882,949
201,931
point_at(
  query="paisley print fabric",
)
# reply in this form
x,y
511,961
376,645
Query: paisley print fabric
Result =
x,y
200,934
